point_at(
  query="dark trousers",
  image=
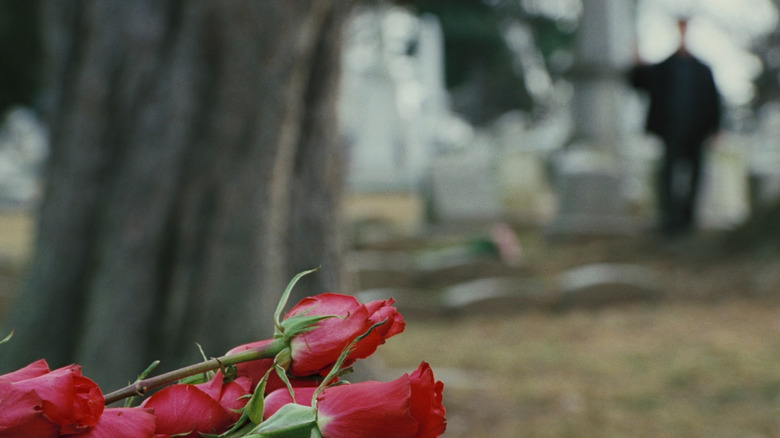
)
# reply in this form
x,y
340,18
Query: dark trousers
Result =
x,y
678,185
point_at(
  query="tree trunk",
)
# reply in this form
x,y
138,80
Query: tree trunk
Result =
x,y
315,233
192,148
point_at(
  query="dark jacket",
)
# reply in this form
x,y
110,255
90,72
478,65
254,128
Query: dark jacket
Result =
x,y
684,102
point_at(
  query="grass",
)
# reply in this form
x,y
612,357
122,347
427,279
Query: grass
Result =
x,y
673,370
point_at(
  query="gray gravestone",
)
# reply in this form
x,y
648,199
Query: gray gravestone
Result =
x,y
590,177
605,284
464,187
590,195
497,295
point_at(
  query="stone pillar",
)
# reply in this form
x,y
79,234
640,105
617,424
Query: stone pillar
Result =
x,y
589,171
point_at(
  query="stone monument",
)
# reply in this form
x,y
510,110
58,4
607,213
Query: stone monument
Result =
x,y
589,171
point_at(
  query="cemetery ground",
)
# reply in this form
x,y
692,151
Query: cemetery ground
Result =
x,y
700,359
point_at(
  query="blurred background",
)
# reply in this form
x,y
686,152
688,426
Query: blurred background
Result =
x,y
166,168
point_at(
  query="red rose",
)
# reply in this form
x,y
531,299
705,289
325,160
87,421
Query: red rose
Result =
x,y
316,351
408,407
36,402
209,407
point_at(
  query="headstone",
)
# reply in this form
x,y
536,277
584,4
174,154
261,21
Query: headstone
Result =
x,y
590,177
394,112
379,269
424,98
497,295
434,276
23,147
590,197
640,159
605,284
724,200
764,160
522,168
393,97
464,187
428,270
372,128
764,182
525,190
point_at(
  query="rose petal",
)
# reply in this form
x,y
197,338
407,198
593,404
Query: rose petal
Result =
x,y
35,369
275,400
325,304
233,396
21,414
382,310
375,409
316,351
185,409
426,403
123,423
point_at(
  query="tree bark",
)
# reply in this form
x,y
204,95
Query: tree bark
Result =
x,y
315,235
185,136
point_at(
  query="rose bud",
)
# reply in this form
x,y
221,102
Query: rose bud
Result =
x,y
408,407
36,402
316,351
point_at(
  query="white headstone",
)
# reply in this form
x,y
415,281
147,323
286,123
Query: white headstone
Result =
x,y
464,187
23,148
393,97
590,197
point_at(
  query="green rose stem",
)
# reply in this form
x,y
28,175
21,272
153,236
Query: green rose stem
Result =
x,y
141,387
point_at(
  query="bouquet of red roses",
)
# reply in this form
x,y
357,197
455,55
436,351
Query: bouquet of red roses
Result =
x,y
286,386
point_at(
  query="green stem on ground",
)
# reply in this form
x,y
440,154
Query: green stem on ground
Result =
x,y
141,387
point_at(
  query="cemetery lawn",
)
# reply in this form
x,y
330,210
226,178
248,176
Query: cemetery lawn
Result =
x,y
705,362
668,370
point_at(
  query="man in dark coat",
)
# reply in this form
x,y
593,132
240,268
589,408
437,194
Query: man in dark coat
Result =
x,y
684,112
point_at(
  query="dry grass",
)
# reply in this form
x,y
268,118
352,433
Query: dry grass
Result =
x,y
16,234
673,370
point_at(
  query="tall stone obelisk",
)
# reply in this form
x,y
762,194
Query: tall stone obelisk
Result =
x,y
589,173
